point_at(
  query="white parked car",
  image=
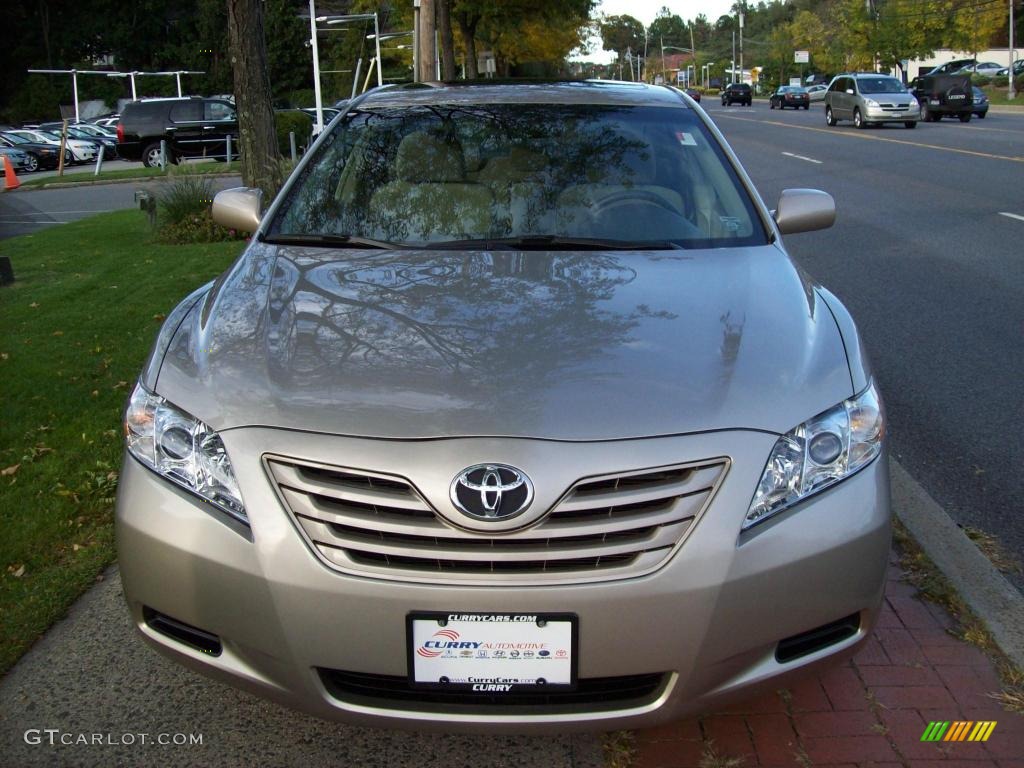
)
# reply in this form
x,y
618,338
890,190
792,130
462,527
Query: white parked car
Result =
x,y
81,151
817,92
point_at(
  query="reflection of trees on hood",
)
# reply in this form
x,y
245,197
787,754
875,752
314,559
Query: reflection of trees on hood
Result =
x,y
455,315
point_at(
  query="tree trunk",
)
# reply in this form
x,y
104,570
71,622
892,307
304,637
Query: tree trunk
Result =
x,y
467,26
257,140
427,42
444,26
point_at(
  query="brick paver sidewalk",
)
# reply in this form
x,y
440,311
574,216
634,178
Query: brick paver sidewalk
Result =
x,y
872,711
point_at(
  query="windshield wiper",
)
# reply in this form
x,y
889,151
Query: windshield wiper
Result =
x,y
330,241
554,243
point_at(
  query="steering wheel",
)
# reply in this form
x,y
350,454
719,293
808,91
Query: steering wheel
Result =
x,y
632,196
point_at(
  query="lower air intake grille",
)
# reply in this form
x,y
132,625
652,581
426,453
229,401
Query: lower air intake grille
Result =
x,y
807,643
393,692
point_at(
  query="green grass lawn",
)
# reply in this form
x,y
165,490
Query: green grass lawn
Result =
x,y
85,177
76,327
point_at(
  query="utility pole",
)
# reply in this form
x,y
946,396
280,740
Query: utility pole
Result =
x,y
741,46
1011,92
693,50
732,64
427,42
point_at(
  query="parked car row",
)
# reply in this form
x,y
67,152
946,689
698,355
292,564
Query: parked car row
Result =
x,y
39,156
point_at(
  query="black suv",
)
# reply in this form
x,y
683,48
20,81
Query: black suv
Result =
x,y
736,92
944,95
192,127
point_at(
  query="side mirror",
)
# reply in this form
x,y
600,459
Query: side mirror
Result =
x,y
239,208
850,91
804,210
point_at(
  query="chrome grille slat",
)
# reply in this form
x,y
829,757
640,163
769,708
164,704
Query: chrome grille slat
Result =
x,y
646,539
313,507
293,476
625,494
603,527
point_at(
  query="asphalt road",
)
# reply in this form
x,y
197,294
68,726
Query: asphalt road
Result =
x,y
928,254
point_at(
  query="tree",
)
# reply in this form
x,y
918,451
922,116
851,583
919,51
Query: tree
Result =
x,y
669,28
444,28
974,24
621,34
257,139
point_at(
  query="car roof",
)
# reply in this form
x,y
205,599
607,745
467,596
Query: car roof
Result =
x,y
600,92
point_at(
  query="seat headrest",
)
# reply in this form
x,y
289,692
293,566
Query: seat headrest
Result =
x,y
425,158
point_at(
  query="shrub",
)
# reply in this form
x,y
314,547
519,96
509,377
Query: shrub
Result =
x,y
184,211
292,121
184,194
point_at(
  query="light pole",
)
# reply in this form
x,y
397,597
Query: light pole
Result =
x,y
1011,92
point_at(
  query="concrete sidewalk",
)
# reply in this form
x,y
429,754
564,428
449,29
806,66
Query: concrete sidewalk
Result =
x,y
871,711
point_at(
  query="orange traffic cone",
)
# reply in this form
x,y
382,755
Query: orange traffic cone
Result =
x,y
10,177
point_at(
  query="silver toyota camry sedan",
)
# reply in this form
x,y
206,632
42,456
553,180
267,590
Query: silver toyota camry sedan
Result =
x,y
514,415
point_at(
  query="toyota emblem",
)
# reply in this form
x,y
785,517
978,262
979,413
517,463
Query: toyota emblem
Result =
x,y
491,491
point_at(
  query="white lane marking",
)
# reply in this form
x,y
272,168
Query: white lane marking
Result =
x,y
801,157
1012,215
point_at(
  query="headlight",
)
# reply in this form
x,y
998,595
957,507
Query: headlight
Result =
x,y
182,449
819,453
871,102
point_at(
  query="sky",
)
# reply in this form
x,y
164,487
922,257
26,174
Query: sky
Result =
x,y
646,10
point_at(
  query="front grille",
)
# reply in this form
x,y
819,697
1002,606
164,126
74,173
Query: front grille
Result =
x,y
603,528
394,692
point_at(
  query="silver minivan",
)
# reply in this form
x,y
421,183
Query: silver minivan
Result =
x,y
868,98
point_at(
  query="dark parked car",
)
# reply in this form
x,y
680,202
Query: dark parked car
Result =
x,y
790,96
980,103
192,127
736,93
944,96
40,156
693,93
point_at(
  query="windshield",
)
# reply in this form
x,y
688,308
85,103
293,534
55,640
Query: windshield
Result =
x,y
880,85
49,135
15,139
456,174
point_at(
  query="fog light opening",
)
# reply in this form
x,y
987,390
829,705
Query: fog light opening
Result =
x,y
806,643
196,638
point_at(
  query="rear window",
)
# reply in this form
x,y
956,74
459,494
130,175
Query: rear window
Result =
x,y
429,175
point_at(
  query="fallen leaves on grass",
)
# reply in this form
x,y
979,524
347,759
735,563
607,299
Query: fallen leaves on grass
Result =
x,y
17,571
8,471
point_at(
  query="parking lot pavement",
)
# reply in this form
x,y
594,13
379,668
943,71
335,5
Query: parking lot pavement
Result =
x,y
22,213
91,675
871,711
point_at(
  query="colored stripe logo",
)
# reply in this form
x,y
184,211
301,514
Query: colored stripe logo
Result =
x,y
959,730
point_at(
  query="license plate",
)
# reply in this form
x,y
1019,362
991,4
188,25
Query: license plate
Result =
x,y
492,653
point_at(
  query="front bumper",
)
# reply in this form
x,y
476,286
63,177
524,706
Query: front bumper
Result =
x,y
881,115
709,621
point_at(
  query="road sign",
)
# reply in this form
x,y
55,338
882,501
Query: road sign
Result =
x,y
801,57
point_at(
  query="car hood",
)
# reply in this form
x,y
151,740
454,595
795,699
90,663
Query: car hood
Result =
x,y
557,345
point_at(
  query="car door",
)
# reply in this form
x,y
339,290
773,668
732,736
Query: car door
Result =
x,y
186,128
219,122
845,97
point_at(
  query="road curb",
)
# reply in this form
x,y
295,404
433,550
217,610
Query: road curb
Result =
x,y
985,590
133,180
